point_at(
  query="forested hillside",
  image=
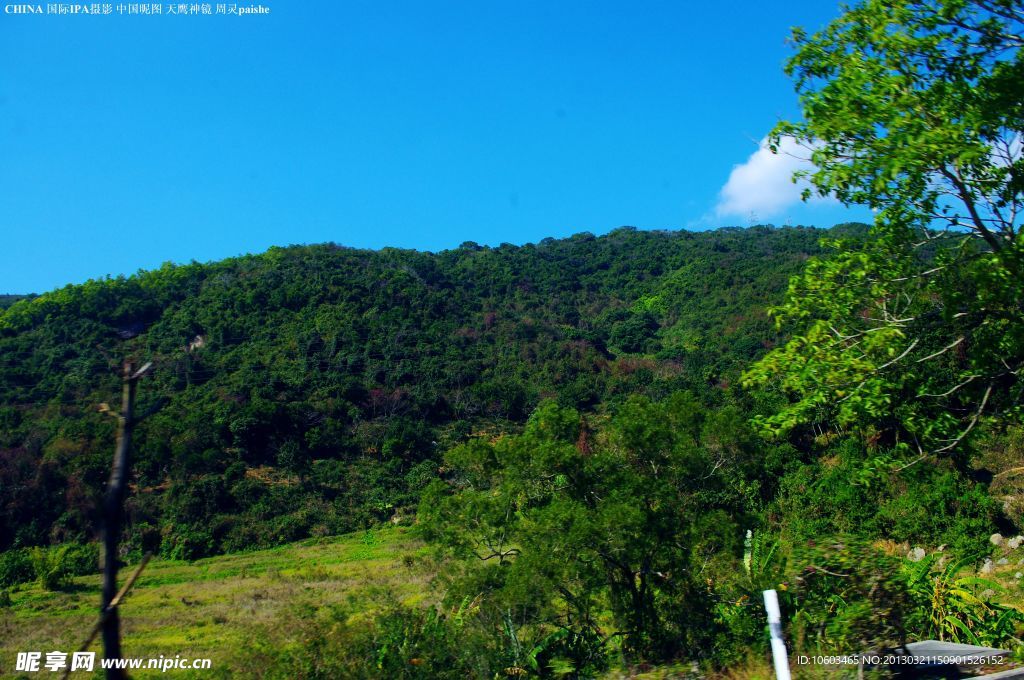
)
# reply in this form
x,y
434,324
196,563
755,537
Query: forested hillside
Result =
x,y
312,390
8,300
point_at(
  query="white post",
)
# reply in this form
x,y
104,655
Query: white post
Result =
x,y
771,605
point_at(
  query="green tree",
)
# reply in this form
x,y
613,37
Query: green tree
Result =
x,y
574,518
914,108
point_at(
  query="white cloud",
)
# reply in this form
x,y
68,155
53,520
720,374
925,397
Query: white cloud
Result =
x,y
762,186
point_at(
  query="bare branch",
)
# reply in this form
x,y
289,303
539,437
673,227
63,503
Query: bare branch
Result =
x,y
953,389
943,350
970,426
905,353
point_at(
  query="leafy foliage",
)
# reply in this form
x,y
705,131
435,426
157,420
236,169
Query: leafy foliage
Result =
x,y
850,594
913,108
51,567
311,390
572,517
956,603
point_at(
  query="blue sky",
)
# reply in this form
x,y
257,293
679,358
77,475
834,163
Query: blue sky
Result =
x,y
128,141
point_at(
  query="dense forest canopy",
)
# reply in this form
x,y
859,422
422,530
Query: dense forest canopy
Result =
x,y
313,389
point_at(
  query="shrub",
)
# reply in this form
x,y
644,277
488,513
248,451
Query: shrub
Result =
x,y
848,594
185,542
399,642
81,559
950,606
15,567
852,491
51,566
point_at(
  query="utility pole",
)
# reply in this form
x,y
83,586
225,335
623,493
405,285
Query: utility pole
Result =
x,y
113,512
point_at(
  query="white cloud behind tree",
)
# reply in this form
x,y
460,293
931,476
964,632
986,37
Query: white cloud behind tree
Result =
x,y
762,187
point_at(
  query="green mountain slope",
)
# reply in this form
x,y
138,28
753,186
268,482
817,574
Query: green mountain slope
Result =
x,y
310,390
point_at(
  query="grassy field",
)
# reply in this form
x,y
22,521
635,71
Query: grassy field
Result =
x,y
219,607
228,608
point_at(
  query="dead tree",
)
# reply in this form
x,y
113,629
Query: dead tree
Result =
x,y
113,513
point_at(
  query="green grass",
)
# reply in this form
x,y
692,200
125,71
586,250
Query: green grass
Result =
x,y
214,608
223,607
